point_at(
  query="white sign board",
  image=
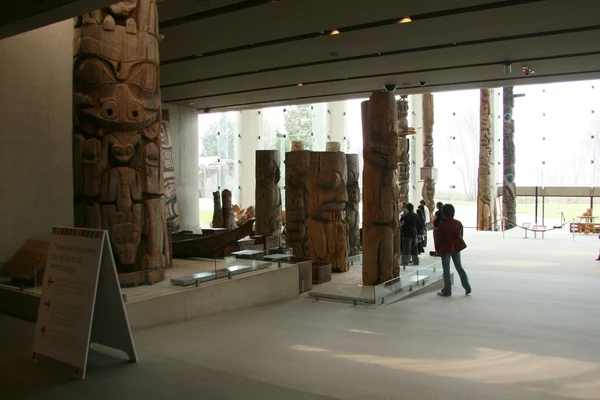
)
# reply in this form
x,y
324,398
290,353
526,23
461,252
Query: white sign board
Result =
x,y
81,301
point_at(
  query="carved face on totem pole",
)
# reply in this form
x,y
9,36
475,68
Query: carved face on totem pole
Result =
x,y
330,191
382,147
116,70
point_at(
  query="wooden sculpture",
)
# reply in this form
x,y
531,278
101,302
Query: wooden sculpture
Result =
x,y
352,206
268,196
217,219
403,168
428,191
380,194
333,146
170,188
117,170
509,189
296,200
327,198
484,199
228,217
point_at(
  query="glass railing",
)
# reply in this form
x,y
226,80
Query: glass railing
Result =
x,y
195,271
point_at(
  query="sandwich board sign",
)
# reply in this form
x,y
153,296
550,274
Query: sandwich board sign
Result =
x,y
81,301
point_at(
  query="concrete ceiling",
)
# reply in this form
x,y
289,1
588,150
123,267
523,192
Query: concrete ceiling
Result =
x,y
232,54
226,55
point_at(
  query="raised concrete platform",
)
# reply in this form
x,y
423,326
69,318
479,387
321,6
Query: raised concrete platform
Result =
x,y
348,287
163,303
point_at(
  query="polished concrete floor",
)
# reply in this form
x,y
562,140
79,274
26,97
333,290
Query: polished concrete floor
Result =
x,y
531,330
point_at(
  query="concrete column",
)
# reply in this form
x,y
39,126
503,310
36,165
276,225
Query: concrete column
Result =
x,y
184,127
36,170
336,124
250,128
416,147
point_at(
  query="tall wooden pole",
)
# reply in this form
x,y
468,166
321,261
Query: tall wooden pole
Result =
x,y
296,198
327,198
352,207
509,189
268,195
117,168
428,191
380,193
484,200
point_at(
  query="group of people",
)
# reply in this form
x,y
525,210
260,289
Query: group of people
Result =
x,y
447,238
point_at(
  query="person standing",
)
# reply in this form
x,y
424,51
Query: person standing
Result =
x,y
408,232
421,230
449,243
427,213
437,220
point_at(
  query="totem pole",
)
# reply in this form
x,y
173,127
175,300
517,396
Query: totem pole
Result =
x,y
353,190
403,168
327,198
509,189
296,198
428,191
484,206
268,196
228,217
117,169
380,193
217,219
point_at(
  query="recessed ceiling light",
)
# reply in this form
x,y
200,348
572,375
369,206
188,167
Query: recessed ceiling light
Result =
x,y
192,103
198,55
334,32
300,84
405,20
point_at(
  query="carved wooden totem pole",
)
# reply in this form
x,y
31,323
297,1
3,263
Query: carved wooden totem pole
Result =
x,y
403,168
268,196
117,170
327,198
228,216
380,193
428,191
217,220
352,211
297,164
509,190
484,200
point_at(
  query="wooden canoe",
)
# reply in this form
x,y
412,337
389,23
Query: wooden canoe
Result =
x,y
212,244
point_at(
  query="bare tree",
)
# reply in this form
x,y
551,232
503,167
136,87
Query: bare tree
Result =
x,y
464,150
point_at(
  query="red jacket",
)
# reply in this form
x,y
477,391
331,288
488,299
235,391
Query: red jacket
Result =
x,y
449,236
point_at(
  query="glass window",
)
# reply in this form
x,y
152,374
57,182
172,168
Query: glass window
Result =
x,y
218,160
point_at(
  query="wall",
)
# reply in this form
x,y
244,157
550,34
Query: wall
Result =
x,y
184,128
36,114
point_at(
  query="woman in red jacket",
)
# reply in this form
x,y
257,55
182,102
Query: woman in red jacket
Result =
x,y
449,243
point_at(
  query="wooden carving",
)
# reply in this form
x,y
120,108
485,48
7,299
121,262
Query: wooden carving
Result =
x,y
170,186
228,217
428,191
509,190
403,168
484,200
380,193
296,200
268,196
117,154
327,198
352,206
333,146
217,219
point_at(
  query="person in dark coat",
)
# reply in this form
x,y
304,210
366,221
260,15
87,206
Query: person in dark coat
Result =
x,y
449,243
421,231
408,232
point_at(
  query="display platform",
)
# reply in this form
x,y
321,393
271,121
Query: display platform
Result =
x,y
163,302
348,286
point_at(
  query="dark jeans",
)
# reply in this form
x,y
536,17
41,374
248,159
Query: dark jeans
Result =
x,y
409,248
464,279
